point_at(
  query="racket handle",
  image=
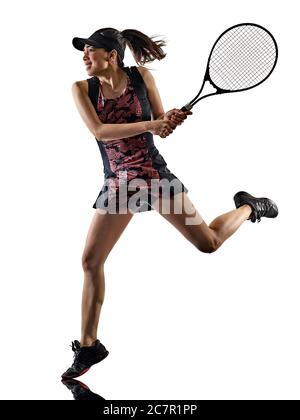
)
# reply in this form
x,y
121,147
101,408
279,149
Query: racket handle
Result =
x,y
186,107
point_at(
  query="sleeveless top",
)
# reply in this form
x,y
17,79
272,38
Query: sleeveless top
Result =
x,y
134,171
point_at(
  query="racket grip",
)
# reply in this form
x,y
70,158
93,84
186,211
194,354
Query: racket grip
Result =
x,y
186,107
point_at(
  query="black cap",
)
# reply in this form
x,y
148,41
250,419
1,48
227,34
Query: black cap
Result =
x,y
99,40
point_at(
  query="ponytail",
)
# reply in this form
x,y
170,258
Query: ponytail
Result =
x,y
143,48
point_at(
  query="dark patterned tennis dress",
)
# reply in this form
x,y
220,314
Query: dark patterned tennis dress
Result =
x,y
135,173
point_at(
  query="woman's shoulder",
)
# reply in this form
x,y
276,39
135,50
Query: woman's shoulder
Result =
x,y
146,75
83,84
143,70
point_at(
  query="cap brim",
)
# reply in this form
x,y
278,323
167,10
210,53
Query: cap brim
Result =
x,y
79,43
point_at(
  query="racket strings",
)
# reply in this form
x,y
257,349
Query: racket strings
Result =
x,y
243,44
243,57
238,63
256,67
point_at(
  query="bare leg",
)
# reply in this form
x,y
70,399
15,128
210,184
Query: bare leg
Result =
x,y
183,215
105,230
226,224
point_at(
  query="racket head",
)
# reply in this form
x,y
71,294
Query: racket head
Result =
x,y
242,57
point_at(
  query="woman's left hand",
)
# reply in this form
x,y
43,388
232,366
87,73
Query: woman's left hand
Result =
x,y
176,116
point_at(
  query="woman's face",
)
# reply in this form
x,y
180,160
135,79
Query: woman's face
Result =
x,y
95,59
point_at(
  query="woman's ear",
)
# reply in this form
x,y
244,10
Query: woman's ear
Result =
x,y
113,57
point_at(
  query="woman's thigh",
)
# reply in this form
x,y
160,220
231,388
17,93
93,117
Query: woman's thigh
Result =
x,y
104,231
182,214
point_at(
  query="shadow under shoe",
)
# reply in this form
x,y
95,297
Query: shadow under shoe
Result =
x,y
261,207
84,358
80,391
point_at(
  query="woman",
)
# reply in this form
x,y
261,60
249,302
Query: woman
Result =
x,y
121,106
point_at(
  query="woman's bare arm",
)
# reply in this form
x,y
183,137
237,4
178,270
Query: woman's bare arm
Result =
x,y
157,108
100,130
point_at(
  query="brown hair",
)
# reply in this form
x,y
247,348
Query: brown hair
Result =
x,y
143,48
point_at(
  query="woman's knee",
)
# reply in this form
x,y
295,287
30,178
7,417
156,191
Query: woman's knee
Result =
x,y
210,245
91,263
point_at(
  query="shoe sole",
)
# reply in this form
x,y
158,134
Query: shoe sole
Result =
x,y
85,370
74,382
75,376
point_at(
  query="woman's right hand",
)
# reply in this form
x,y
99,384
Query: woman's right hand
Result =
x,y
157,127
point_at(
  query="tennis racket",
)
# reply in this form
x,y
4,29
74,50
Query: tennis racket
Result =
x,y
242,58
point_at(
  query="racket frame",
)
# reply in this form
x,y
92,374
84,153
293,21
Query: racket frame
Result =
x,y
207,77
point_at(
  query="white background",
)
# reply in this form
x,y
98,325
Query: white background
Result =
x,y
178,324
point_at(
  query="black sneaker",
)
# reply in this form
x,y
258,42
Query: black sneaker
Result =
x,y
262,207
80,391
84,358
